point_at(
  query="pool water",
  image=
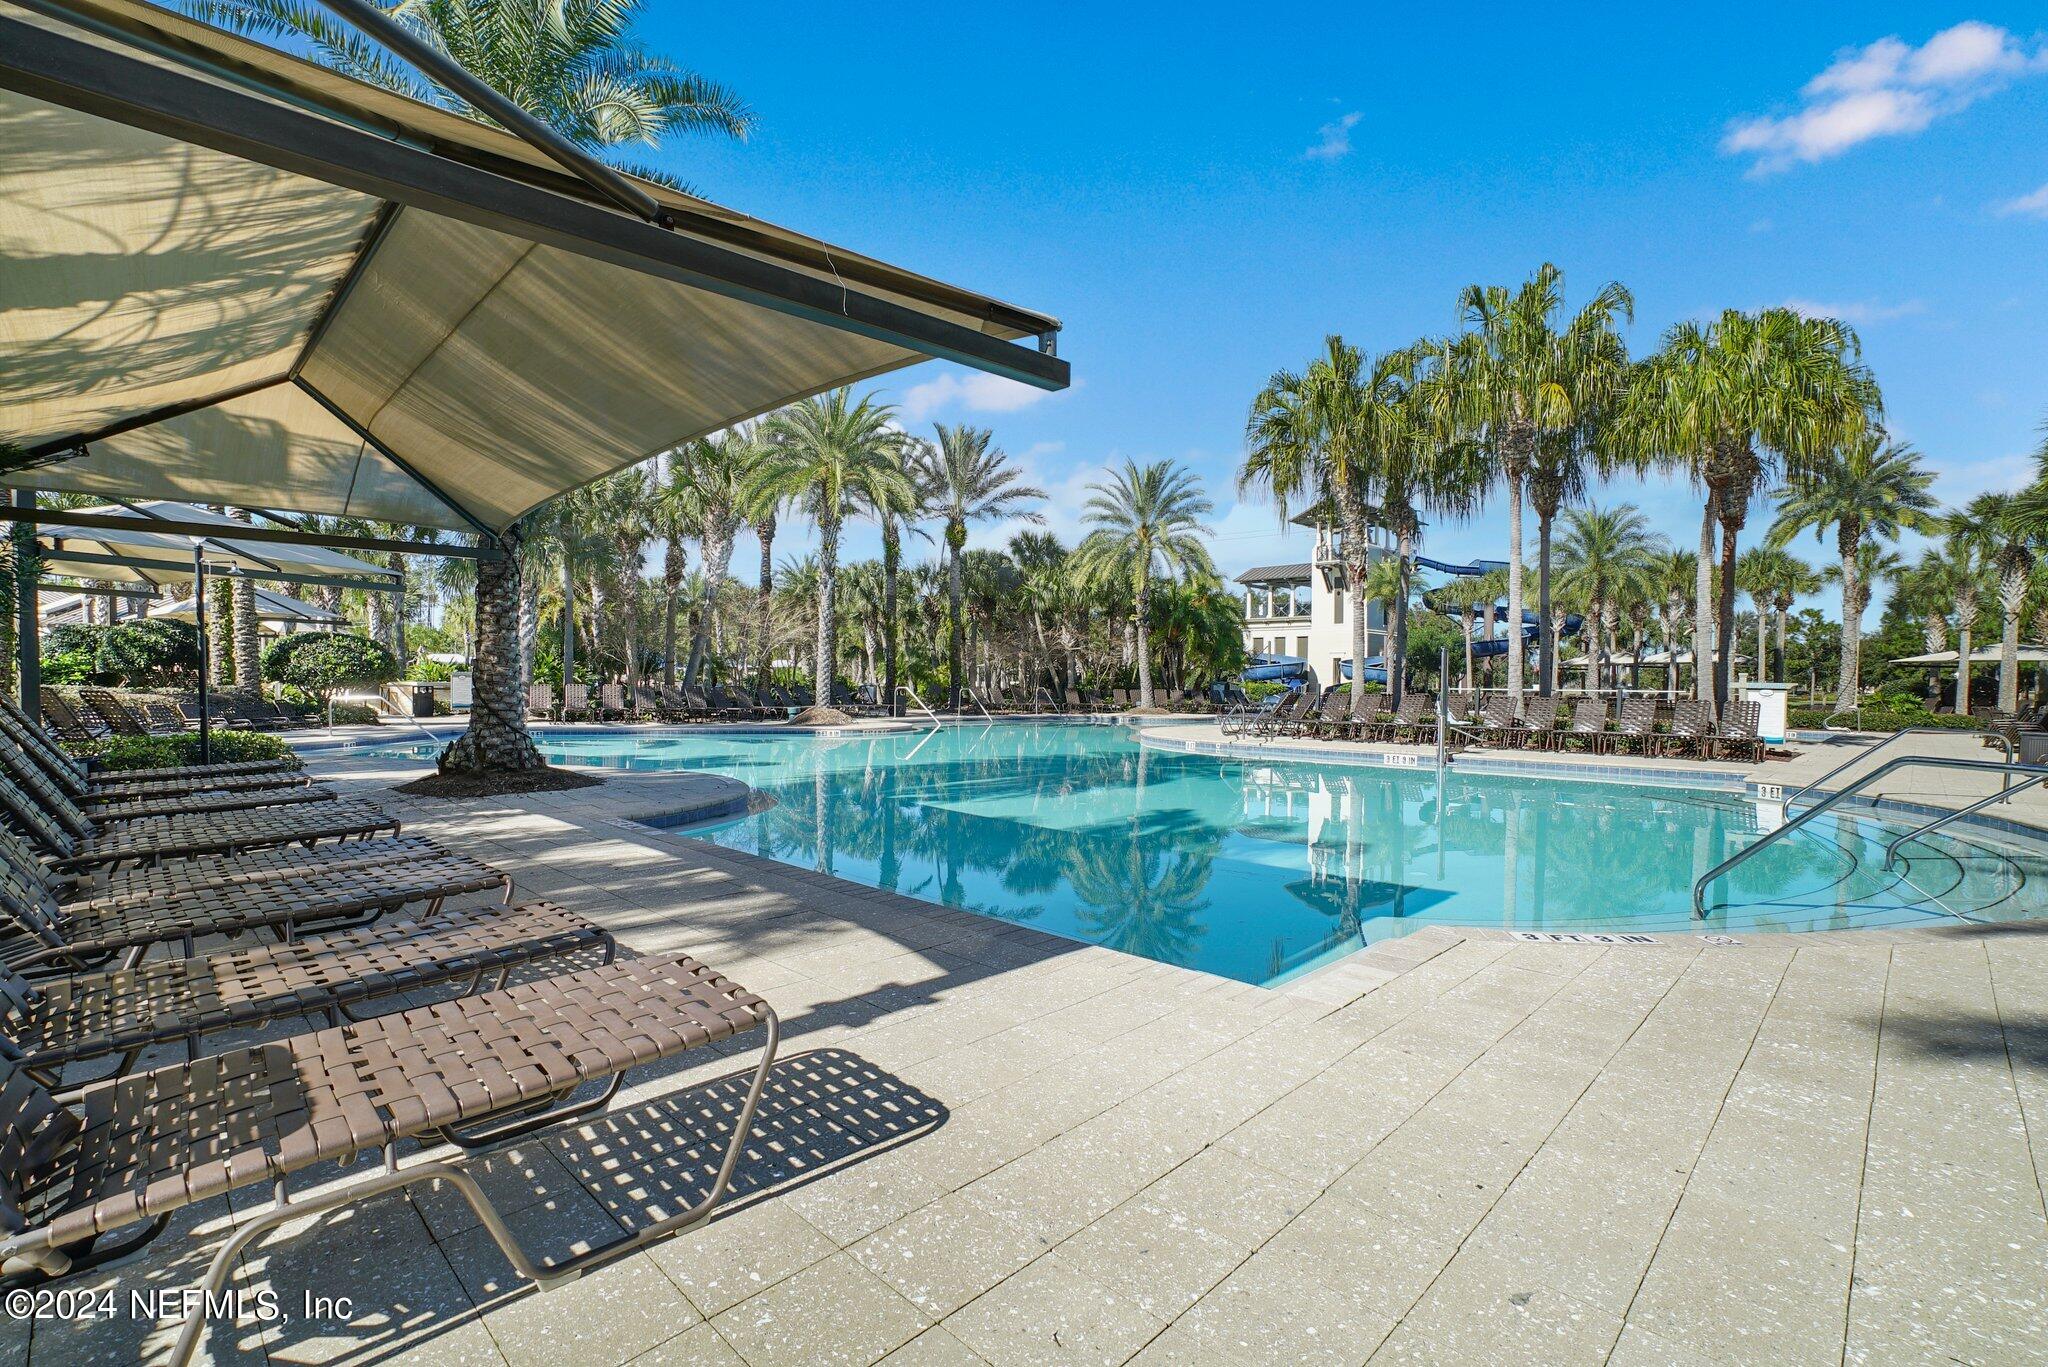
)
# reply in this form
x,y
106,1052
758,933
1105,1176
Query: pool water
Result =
x,y
1260,870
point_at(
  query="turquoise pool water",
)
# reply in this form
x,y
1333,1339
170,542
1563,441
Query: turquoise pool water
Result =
x,y
1259,871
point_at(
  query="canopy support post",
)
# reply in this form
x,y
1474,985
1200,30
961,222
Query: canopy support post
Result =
x,y
199,616
28,646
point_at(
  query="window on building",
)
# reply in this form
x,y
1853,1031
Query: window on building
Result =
x,y
1301,646
1302,600
1338,602
1283,603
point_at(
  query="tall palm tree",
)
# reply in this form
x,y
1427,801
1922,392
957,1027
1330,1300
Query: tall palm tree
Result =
x,y
832,454
763,508
247,630
966,479
1868,490
1517,381
896,505
2010,528
1927,591
1765,573
706,497
1384,583
1678,595
1967,570
1607,554
1147,521
1729,401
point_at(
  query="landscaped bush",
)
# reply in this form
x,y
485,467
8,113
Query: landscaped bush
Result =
x,y
70,667
1879,718
151,653
156,752
354,714
324,664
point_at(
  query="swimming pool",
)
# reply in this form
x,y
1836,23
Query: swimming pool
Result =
x,y
1261,870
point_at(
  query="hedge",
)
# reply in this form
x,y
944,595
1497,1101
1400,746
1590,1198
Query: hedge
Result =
x,y
159,752
1879,719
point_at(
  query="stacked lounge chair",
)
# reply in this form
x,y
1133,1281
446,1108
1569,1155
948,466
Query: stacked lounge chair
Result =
x,y
91,1174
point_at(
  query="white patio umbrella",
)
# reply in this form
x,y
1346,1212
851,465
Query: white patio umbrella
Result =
x,y
273,609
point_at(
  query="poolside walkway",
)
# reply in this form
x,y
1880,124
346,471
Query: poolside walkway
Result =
x,y
985,1144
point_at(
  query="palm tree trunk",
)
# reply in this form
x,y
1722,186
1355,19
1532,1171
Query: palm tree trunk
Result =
x,y
1703,603
1144,640
1966,621
1778,671
2012,592
1354,589
568,622
1762,647
1397,653
892,556
671,590
717,548
1847,535
1725,635
1514,682
956,630
496,740
765,599
828,585
1546,681
220,632
247,645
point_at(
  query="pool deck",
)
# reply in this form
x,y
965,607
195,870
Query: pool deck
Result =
x,y
984,1144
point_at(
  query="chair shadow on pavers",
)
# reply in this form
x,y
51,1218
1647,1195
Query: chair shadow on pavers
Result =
x,y
424,1273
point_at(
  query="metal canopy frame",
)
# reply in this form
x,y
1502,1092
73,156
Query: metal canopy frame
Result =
x,y
176,97
287,533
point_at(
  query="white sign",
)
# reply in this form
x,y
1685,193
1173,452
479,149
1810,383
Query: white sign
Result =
x,y
1581,937
1393,761
1770,792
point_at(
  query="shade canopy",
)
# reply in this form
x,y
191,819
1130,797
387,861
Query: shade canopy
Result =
x,y
2028,655
134,556
272,609
232,276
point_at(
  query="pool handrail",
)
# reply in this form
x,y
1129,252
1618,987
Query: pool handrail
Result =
x,y
1858,758
1699,889
911,693
969,694
1891,851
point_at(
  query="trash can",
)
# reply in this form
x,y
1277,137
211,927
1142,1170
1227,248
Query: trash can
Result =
x,y
420,699
2034,747
1772,701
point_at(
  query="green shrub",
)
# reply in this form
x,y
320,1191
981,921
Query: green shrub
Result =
x,y
157,752
326,663
150,653
1879,718
424,670
354,714
77,636
70,667
1261,689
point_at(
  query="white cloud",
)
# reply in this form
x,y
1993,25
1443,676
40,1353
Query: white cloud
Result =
x,y
1335,139
1857,311
1888,88
966,392
2034,204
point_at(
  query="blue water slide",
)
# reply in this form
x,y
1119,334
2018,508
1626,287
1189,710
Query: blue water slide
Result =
x,y
1275,669
1477,567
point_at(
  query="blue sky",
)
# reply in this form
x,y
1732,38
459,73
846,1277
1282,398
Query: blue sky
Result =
x,y
1202,192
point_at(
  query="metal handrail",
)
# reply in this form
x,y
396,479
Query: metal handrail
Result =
x,y
971,696
1699,889
1891,851
1802,791
910,692
1043,692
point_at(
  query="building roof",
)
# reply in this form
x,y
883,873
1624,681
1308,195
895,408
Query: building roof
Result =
x,y
234,276
1258,574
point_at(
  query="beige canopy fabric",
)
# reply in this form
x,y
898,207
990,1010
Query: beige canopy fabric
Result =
x,y
273,609
135,556
233,276
2029,654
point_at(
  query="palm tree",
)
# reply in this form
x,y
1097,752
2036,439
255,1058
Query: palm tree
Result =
x,y
1517,382
1384,583
1868,490
1768,574
832,454
1875,564
1608,554
763,507
1147,521
1728,400
1967,568
968,480
2009,526
1928,591
1342,433
1678,594
706,497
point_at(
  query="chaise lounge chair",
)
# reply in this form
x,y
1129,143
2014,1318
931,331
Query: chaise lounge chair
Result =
x,y
1636,728
54,1023
132,1151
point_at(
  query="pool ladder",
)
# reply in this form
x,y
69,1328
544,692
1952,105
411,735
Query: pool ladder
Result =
x,y
2036,773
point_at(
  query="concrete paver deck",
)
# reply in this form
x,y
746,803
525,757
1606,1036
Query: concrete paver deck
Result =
x,y
987,1145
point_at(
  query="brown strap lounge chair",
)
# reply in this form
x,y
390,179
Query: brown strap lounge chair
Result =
x,y
1497,720
132,1151
1737,737
156,838
69,774
178,877
1636,728
51,1024
1588,728
1539,724
87,931
1408,715
111,710
33,779
68,722
1692,730
575,700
